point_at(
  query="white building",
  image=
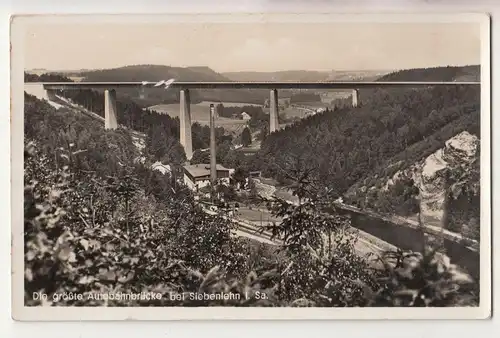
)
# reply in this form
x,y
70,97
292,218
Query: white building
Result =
x,y
245,116
197,176
163,168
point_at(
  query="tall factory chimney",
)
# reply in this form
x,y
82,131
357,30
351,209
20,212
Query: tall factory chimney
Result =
x,y
213,155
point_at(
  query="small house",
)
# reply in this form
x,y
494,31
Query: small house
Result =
x,y
245,116
197,176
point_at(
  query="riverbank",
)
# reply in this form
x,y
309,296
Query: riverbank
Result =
x,y
395,231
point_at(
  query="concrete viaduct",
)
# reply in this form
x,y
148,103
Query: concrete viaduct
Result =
x,y
109,88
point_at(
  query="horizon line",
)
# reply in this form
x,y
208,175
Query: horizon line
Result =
x,y
250,71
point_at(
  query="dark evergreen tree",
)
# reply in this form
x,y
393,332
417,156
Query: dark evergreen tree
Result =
x,y
246,137
164,147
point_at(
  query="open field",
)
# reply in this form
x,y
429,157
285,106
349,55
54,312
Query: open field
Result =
x,y
200,113
312,105
227,104
328,97
292,112
77,78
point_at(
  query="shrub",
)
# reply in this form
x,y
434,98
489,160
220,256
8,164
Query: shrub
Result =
x,y
416,279
74,244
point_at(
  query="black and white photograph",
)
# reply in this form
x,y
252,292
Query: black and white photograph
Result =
x,y
242,166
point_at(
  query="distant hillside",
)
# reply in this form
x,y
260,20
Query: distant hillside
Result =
x,y
305,75
466,73
37,71
355,75
288,75
45,77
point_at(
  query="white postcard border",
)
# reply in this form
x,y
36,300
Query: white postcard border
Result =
x,y
20,312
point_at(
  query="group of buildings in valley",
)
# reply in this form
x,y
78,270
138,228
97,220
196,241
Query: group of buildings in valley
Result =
x,y
197,176
242,116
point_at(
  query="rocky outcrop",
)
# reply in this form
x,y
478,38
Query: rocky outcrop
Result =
x,y
453,168
448,191
440,171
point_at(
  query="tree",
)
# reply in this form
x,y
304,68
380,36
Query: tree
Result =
x,y
226,192
223,150
263,132
305,97
219,109
254,194
164,147
200,157
324,269
240,176
234,159
246,137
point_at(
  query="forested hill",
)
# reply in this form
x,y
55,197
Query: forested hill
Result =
x,y
343,147
459,74
46,77
153,73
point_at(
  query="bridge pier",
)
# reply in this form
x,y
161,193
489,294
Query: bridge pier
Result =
x,y
273,111
110,116
185,123
50,94
355,98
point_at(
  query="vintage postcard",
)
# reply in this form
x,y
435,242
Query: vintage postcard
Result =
x,y
251,166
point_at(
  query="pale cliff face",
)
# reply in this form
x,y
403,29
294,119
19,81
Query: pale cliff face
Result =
x,y
458,155
459,160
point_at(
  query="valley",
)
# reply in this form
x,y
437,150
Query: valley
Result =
x,y
363,156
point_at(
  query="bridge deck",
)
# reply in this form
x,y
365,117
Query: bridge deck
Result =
x,y
248,85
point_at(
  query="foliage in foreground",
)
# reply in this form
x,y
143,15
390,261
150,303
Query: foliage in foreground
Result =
x,y
71,250
416,279
83,236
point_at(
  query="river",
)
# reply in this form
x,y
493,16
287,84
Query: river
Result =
x,y
407,238
401,236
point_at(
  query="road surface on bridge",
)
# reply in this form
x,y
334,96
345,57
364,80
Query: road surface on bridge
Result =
x,y
251,85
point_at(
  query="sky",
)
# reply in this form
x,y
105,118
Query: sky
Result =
x,y
228,47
